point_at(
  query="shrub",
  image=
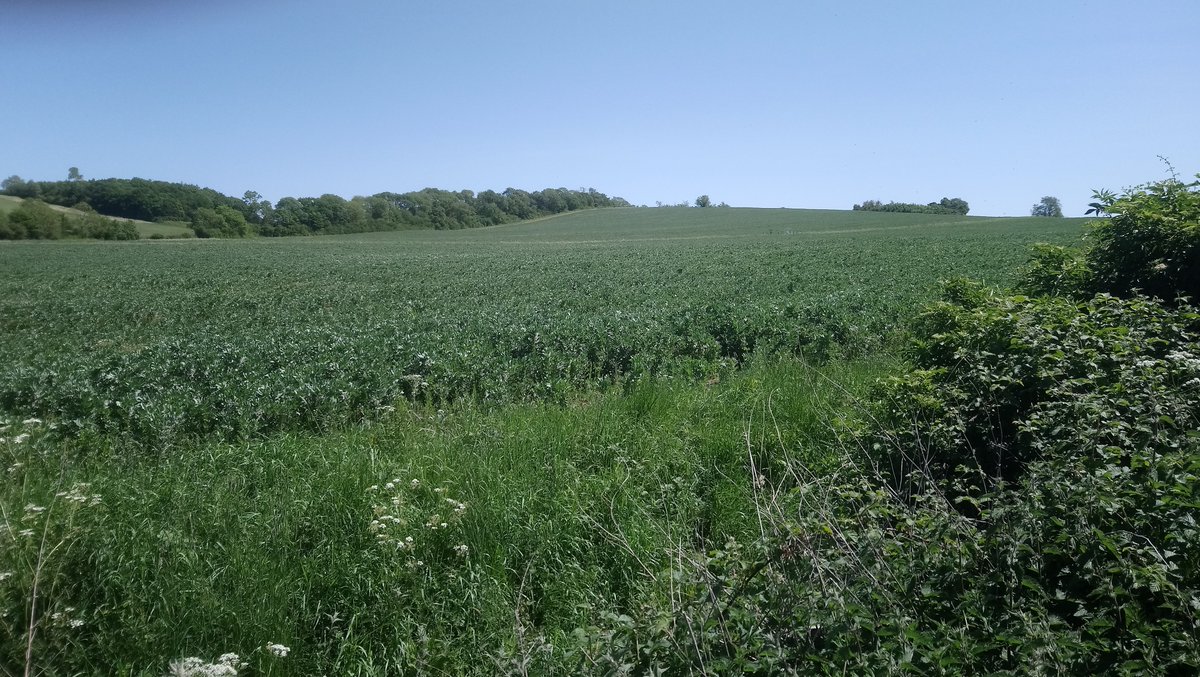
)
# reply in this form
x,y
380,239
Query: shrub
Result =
x,y
1149,245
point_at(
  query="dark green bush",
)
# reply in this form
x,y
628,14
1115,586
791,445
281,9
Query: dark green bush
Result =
x,y
1149,245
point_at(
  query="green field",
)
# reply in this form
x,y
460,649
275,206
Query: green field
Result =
x,y
570,413
169,341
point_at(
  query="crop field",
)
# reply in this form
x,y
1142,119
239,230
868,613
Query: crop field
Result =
x,y
158,343
495,451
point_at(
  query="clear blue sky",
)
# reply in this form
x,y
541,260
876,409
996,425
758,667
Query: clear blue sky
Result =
x,y
767,104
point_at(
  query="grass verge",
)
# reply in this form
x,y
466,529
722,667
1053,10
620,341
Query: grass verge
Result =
x,y
526,521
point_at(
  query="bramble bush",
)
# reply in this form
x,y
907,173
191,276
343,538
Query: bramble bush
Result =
x,y
1150,245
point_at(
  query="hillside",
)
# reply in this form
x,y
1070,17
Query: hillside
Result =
x,y
145,229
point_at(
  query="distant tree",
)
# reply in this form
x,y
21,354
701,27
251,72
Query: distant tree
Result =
x,y
947,205
73,174
956,205
256,209
18,187
703,201
1048,206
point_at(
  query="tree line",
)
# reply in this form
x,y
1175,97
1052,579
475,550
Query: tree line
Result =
x,y
213,214
947,205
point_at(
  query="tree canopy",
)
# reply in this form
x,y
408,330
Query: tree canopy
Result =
x,y
1048,206
947,205
211,212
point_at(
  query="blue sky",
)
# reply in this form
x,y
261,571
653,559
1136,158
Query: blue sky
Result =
x,y
764,104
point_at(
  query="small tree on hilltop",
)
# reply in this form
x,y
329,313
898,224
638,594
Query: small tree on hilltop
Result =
x,y
1049,206
703,201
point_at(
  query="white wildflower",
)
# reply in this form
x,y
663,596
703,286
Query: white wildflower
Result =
x,y
415,484
31,421
461,550
277,650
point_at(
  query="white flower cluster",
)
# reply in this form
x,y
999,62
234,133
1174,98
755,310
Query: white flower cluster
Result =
x,y
20,438
79,493
225,666
64,618
1184,359
402,505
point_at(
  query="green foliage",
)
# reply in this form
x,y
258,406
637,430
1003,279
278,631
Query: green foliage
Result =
x,y
944,206
703,201
1151,244
220,222
999,379
1048,206
35,220
429,208
1057,270
325,215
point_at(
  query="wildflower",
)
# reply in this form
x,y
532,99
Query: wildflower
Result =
x,y
461,550
373,488
4,575
277,650
75,623
32,508
389,486
26,533
35,421
415,484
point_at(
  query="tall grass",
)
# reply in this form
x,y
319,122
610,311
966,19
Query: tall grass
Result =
x,y
569,512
